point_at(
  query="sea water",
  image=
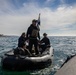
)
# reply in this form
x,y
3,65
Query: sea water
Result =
x,y
64,46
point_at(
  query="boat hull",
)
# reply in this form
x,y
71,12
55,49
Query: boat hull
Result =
x,y
27,63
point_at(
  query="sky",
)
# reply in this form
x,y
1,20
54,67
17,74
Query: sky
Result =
x,y
58,17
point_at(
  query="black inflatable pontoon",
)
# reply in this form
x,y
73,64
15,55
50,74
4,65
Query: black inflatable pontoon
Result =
x,y
12,62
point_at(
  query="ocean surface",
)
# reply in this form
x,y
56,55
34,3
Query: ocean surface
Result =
x,y
64,46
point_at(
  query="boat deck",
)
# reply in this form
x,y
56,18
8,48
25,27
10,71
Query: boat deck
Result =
x,y
68,68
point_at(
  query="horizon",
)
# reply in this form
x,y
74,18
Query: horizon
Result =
x,y
58,17
41,35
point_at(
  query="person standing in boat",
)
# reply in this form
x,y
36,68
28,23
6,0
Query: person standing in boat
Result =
x,y
45,42
22,39
33,36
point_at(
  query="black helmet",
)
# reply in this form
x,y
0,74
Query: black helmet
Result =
x,y
44,34
34,20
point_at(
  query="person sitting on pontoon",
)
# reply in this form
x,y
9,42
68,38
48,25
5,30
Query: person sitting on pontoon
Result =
x,y
22,39
45,42
22,50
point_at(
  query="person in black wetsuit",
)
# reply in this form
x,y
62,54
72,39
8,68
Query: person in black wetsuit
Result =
x,y
33,36
22,39
22,50
45,42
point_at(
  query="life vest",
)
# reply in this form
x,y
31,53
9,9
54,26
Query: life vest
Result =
x,y
34,33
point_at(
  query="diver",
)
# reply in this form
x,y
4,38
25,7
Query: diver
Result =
x,y
22,50
33,36
22,39
44,43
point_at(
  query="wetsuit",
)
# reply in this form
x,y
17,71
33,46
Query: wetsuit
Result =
x,y
21,41
33,34
46,43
